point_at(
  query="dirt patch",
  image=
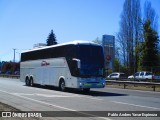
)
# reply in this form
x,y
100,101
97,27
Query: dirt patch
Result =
x,y
5,107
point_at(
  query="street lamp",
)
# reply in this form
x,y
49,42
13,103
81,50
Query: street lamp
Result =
x,y
14,50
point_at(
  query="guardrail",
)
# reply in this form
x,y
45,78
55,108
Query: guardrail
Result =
x,y
10,76
126,83
136,79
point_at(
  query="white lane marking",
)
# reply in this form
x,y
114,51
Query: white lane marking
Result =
x,y
60,107
43,95
22,94
38,101
49,95
93,98
135,105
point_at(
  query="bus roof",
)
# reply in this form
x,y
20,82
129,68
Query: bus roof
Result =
x,y
63,44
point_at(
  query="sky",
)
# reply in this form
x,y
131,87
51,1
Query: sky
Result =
x,y
24,23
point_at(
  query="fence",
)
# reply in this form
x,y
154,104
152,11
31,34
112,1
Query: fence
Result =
x,y
10,76
153,85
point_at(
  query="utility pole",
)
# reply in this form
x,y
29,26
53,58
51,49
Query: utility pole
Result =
x,y
14,55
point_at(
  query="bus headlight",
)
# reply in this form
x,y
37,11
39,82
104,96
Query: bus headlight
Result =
x,y
80,84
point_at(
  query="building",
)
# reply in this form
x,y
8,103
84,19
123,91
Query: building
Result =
x,y
38,45
108,43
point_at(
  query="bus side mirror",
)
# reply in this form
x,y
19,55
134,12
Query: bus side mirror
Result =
x,y
76,62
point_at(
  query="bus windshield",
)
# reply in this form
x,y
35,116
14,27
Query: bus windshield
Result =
x,y
92,60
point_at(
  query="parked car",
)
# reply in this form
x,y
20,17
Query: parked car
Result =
x,y
142,75
17,73
131,77
8,72
117,75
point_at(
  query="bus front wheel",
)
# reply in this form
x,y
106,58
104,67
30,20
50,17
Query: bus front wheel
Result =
x,y
62,85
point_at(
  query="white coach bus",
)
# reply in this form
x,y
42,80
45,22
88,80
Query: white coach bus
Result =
x,y
77,64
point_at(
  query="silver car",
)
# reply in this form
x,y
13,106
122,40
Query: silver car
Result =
x,y
117,75
142,75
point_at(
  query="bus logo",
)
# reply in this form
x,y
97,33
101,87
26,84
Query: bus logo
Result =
x,y
44,63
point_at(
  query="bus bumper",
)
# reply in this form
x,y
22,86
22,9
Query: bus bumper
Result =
x,y
91,83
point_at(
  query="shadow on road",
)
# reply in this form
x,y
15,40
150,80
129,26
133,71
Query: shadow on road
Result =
x,y
78,91
105,94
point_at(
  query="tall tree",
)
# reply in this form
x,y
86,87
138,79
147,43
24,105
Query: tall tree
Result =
x,y
129,34
51,40
150,14
149,53
117,63
150,19
123,47
137,32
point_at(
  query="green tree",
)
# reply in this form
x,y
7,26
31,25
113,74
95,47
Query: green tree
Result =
x,y
149,53
117,65
11,67
6,67
150,14
51,39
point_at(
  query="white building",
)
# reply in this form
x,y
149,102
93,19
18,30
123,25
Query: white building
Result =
x,y
38,45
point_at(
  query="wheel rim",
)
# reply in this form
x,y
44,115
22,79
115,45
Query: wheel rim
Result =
x,y
31,82
27,82
62,86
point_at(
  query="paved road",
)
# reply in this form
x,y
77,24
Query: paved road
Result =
x,y
16,94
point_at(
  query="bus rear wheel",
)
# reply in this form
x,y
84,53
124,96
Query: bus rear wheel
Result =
x,y
62,85
31,82
28,83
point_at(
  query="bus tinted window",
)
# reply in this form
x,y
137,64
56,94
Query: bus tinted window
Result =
x,y
90,53
92,60
53,52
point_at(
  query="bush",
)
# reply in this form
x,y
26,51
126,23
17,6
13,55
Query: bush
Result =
x,y
10,66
